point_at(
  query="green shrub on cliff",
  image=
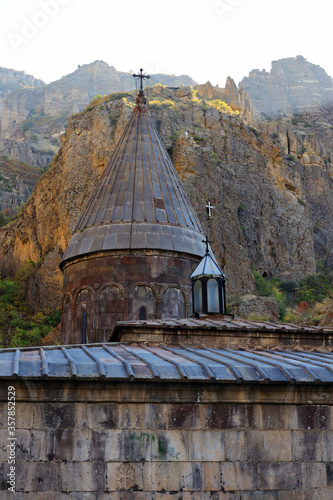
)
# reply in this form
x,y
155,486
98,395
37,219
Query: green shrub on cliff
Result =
x,y
269,287
19,325
298,301
222,106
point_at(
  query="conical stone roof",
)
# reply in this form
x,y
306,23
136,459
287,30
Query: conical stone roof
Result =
x,y
139,202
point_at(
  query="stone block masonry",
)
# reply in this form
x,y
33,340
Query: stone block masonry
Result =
x,y
88,440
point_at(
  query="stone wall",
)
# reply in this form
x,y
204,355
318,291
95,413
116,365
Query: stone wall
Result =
x,y
121,286
95,440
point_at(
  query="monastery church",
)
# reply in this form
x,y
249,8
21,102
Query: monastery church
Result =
x,y
136,244
156,393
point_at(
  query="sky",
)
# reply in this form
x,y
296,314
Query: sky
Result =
x,y
205,39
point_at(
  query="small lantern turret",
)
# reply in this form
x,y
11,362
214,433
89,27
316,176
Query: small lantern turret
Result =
x,y
208,286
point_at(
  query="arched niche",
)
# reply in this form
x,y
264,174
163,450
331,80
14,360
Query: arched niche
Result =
x,y
142,296
85,317
67,326
173,303
110,310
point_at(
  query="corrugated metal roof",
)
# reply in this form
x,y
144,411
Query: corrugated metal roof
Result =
x,y
167,363
221,322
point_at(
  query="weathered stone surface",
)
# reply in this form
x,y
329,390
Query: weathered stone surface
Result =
x,y
206,446
164,476
293,85
279,475
80,476
170,446
240,476
268,445
307,446
252,307
183,416
35,476
264,461
234,444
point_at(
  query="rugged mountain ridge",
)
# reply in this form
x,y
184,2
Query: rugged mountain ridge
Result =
x,y
33,115
272,209
69,95
293,86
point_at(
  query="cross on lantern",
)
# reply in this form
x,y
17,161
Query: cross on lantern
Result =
x,y
142,77
209,209
207,241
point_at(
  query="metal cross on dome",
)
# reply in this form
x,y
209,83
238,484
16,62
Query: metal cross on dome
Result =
x,y
142,77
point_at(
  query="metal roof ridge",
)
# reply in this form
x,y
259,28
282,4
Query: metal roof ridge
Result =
x,y
141,358
200,363
233,369
100,365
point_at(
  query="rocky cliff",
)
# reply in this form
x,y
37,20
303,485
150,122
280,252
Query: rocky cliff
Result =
x,y
37,114
293,85
33,115
272,209
17,181
13,80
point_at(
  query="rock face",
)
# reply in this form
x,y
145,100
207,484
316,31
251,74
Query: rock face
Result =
x,y
253,307
17,181
13,80
21,151
293,85
237,99
270,211
33,115
71,93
